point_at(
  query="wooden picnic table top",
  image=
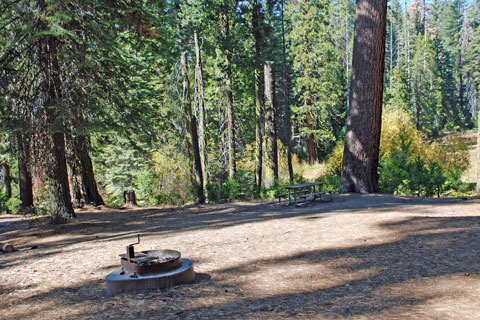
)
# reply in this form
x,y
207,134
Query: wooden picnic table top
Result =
x,y
304,185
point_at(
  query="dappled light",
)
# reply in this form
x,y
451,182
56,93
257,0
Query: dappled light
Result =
x,y
357,256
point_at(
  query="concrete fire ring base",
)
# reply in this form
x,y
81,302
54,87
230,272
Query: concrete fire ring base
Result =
x,y
119,283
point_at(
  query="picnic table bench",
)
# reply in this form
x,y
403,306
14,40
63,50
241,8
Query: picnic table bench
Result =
x,y
301,194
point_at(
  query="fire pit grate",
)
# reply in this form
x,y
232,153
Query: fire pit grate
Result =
x,y
151,262
153,269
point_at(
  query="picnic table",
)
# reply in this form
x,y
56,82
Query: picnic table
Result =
x,y
301,194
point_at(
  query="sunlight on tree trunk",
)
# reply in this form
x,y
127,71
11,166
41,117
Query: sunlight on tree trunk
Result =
x,y
361,152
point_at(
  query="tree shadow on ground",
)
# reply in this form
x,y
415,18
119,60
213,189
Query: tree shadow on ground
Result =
x,y
397,273
110,223
102,225
432,258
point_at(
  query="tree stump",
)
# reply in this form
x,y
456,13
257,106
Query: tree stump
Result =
x,y
6,247
129,198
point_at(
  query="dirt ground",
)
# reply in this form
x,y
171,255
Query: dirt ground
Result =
x,y
357,257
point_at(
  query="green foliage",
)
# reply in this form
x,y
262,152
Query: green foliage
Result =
x,y
393,170
332,182
397,95
318,74
3,202
240,186
472,62
427,89
118,64
334,161
163,179
13,204
411,166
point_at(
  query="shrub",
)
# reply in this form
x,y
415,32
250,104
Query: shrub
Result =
x,y
332,182
334,161
240,186
13,204
3,202
171,178
409,165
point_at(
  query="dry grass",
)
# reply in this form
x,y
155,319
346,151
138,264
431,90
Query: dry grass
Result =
x,y
470,176
311,172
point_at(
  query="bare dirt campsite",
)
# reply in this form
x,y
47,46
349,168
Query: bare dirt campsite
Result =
x,y
357,257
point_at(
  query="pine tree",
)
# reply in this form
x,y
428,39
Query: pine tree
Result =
x,y
398,94
318,81
427,90
63,44
449,37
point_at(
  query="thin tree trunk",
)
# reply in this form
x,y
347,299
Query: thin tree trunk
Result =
x,y
78,199
308,103
347,56
201,117
311,138
270,115
73,172
230,109
192,129
362,141
463,47
478,150
391,50
461,91
408,46
61,209
7,178
24,174
257,22
287,123
424,23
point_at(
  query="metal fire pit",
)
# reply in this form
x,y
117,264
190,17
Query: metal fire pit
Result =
x,y
151,262
147,270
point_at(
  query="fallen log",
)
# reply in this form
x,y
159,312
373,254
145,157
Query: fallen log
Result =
x,y
6,247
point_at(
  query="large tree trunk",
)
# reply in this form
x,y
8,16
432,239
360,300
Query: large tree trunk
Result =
x,y
192,129
257,22
362,141
230,111
201,117
287,121
89,184
270,115
61,209
24,174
